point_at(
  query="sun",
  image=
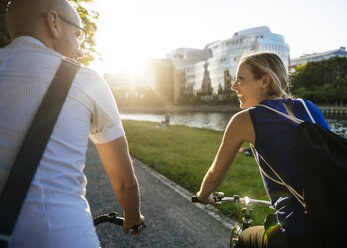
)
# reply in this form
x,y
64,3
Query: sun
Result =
x,y
127,36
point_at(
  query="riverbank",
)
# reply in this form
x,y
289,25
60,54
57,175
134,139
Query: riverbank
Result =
x,y
184,154
175,108
327,110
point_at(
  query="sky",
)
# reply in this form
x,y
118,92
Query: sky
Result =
x,y
131,31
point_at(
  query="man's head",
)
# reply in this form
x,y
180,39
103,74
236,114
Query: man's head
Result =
x,y
54,22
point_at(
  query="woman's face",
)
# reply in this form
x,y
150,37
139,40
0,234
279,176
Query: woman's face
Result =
x,y
250,91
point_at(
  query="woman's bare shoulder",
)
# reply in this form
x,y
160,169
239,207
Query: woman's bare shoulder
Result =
x,y
240,125
241,117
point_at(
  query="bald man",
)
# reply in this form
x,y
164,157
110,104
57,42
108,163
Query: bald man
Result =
x,y
55,212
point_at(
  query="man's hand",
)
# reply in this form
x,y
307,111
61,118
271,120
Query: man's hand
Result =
x,y
129,224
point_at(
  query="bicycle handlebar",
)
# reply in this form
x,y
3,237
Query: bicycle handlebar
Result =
x,y
246,200
219,198
114,219
196,200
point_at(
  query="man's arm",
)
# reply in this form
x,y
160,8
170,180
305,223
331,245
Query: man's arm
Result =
x,y
118,166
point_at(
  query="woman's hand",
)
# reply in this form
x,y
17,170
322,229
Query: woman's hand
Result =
x,y
207,200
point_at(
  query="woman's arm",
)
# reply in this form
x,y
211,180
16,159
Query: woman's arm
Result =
x,y
239,129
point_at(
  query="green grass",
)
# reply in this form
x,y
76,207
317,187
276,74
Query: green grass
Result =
x,y
184,154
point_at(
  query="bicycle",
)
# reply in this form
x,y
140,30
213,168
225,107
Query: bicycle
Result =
x,y
246,212
114,219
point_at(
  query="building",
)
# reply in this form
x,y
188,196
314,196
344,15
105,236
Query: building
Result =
x,y
184,60
184,68
122,80
123,86
315,57
153,84
158,74
226,54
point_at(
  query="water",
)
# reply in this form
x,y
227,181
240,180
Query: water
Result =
x,y
338,124
218,121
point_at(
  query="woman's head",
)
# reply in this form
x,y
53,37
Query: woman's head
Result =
x,y
264,76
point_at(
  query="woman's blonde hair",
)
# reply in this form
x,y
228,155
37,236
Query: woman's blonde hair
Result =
x,y
262,63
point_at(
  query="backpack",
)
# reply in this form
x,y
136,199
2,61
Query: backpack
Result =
x,y
322,157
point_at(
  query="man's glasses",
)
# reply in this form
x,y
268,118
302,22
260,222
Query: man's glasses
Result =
x,y
82,37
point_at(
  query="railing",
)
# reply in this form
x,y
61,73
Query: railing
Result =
x,y
333,110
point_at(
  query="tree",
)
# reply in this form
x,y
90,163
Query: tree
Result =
x,y
227,82
324,82
4,34
87,16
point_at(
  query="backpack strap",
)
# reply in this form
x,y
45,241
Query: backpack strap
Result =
x,y
306,108
292,118
299,197
30,153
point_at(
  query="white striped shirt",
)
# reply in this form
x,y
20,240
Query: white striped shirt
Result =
x,y
55,213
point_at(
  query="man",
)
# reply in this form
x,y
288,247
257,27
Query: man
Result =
x,y
55,212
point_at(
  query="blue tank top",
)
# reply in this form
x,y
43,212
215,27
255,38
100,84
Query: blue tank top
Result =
x,y
275,139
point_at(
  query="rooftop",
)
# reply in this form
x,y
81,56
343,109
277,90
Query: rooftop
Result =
x,y
307,56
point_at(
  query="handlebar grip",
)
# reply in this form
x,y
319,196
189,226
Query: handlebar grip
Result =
x,y
195,199
114,219
138,228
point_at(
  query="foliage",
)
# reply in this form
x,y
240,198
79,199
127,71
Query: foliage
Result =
x,y
4,33
227,82
184,154
188,100
87,16
324,82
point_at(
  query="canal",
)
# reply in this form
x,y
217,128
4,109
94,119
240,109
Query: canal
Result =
x,y
217,120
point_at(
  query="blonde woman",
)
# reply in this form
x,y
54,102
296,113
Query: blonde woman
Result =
x,y
262,78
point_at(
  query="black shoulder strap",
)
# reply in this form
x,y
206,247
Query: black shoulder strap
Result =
x,y
33,146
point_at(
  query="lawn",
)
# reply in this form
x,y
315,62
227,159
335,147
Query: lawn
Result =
x,y
184,154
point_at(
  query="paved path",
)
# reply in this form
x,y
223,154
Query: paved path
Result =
x,y
172,220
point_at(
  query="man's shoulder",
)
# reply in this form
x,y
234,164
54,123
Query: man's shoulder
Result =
x,y
91,83
87,74
28,51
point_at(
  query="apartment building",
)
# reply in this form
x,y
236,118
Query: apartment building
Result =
x,y
226,54
315,57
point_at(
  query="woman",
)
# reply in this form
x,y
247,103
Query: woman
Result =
x,y
262,78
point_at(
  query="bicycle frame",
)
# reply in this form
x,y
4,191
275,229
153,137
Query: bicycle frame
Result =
x,y
246,211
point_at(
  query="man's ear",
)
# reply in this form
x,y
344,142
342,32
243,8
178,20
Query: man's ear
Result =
x,y
52,19
266,80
